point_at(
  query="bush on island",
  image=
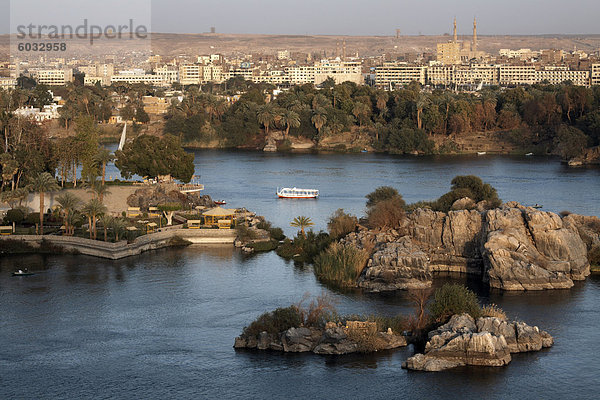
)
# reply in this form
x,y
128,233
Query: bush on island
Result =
x,y
453,299
340,264
340,224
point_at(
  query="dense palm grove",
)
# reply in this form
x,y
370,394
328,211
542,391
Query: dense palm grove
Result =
x,y
555,119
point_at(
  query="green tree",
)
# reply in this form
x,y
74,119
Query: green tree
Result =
x,y
103,157
93,209
42,183
302,222
266,116
68,204
149,156
380,194
319,119
289,119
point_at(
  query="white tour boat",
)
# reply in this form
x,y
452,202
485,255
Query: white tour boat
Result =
x,y
295,193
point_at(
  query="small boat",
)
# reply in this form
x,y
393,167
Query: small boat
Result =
x,y
295,193
22,273
529,154
481,153
220,202
364,151
536,205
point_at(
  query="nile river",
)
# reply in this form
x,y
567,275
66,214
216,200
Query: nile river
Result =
x,y
161,325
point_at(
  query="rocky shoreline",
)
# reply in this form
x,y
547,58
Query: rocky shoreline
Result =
x,y
333,340
489,341
512,247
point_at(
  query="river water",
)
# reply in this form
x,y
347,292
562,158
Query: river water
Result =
x,y
161,325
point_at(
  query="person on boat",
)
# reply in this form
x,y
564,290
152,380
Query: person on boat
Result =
x,y
20,272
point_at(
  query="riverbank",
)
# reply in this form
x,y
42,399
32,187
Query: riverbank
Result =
x,y
122,249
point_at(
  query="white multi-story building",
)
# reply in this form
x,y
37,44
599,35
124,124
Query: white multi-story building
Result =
x,y
392,74
275,77
54,77
517,75
138,77
301,74
558,75
475,74
340,71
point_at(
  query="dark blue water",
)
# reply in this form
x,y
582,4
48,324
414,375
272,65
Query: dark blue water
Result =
x,y
250,179
161,325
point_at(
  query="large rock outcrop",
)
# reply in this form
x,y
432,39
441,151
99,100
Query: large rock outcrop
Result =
x,y
511,247
527,249
488,341
397,265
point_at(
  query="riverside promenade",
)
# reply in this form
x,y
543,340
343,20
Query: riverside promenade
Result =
x,y
122,249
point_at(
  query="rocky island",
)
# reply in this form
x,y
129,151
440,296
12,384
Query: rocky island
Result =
x,y
512,247
489,341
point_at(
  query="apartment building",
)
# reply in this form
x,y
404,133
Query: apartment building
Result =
x,y
392,74
246,72
190,74
54,77
301,74
517,75
212,73
340,71
168,73
275,77
558,75
137,77
595,75
438,75
475,74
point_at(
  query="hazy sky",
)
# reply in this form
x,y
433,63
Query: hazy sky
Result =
x,y
346,17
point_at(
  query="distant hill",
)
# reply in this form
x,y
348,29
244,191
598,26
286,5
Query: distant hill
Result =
x,y
170,45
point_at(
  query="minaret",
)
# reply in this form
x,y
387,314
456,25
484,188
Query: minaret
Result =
x,y
474,34
455,36
344,50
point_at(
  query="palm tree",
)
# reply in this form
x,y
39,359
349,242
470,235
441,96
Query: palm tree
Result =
x,y
422,102
93,209
289,119
381,99
42,183
68,203
361,112
319,119
98,191
118,226
106,221
266,116
102,158
302,222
